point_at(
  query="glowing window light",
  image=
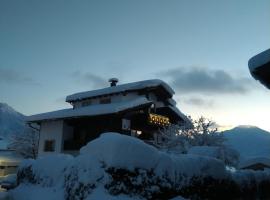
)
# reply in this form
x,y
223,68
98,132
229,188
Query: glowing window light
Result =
x,y
158,120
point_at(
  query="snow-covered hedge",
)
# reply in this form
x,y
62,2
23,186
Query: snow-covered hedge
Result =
x,y
121,165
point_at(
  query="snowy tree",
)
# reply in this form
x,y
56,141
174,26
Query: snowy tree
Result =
x,y
201,132
25,143
205,133
175,138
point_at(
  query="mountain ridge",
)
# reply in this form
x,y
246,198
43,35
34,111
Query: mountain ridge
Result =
x,y
11,121
249,141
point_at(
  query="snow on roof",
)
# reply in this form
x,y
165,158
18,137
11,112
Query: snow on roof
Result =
x,y
121,88
91,110
180,114
254,161
259,60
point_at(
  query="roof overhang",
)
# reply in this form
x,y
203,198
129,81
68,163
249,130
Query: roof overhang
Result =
x,y
90,111
259,67
174,112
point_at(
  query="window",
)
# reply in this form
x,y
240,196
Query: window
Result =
x,y
105,100
49,145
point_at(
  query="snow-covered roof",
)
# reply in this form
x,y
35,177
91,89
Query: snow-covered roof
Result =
x,y
255,160
180,114
259,60
121,88
92,110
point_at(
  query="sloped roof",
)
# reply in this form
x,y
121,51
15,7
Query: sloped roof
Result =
x,y
255,160
154,83
92,110
181,115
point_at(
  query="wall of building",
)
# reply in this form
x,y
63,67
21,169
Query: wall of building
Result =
x,y
114,99
51,130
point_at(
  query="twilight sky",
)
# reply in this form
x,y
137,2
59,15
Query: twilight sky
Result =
x,y
52,48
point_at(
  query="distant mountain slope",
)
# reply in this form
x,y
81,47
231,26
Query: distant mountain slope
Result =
x,y
249,141
11,121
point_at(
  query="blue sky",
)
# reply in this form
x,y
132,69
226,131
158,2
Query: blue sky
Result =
x,y
50,49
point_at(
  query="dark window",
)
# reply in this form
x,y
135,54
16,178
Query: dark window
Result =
x,y
49,145
86,102
105,101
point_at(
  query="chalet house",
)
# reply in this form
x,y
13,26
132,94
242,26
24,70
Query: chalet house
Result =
x,y
138,109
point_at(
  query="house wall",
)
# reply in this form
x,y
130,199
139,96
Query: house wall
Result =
x,y
51,130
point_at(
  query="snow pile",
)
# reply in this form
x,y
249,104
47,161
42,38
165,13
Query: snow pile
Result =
x,y
125,152
47,170
116,166
228,155
113,164
210,151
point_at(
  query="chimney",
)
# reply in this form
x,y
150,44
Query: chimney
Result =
x,y
113,81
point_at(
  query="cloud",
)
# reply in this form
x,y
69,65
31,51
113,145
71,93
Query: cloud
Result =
x,y
10,76
89,78
206,81
195,101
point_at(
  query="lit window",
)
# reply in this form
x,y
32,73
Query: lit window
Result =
x,y
158,120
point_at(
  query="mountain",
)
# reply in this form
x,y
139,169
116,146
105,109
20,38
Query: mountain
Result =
x,y
249,141
11,121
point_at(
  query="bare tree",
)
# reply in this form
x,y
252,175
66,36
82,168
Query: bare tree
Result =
x,y
25,143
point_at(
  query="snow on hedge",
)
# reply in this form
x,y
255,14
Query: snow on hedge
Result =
x,y
121,151
62,176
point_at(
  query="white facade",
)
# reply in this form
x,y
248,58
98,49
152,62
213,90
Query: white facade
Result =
x,y
50,131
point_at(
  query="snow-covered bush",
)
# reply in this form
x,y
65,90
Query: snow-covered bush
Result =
x,y
122,165
47,170
228,155
82,176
